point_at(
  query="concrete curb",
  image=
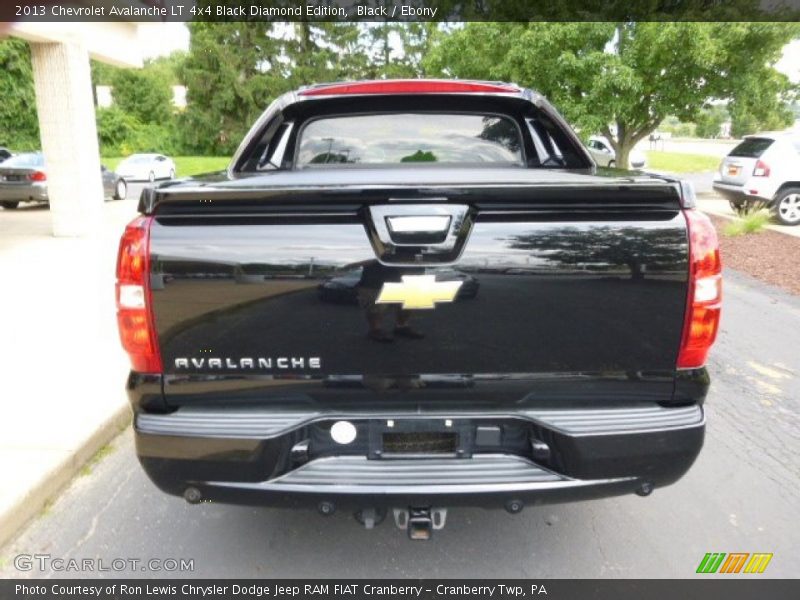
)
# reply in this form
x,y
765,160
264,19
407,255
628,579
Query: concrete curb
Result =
x,y
771,226
55,480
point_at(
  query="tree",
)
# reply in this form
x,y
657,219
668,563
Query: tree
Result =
x,y
143,93
165,70
623,79
396,50
709,121
142,117
232,72
114,129
757,111
168,68
102,73
19,125
605,249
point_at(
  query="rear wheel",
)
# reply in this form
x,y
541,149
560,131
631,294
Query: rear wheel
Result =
x,y
787,207
120,190
9,204
612,164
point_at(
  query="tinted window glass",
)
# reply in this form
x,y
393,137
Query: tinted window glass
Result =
x,y
751,147
409,138
597,145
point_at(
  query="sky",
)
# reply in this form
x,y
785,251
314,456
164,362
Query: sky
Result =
x,y
790,62
159,39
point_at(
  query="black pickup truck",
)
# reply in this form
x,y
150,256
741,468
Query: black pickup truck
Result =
x,y
408,295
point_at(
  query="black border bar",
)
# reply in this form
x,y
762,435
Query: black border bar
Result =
x,y
399,10
712,587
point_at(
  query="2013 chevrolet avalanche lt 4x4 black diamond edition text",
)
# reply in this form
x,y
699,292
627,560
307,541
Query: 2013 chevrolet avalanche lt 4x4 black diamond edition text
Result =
x,y
407,295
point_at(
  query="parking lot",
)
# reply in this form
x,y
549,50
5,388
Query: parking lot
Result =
x,y
742,495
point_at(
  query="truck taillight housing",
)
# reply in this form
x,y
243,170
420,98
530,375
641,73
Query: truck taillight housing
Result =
x,y
134,303
705,292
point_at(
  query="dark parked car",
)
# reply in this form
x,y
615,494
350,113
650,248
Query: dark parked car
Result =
x,y
23,178
579,374
341,288
114,185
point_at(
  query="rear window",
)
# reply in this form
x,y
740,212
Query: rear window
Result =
x,y
752,147
387,139
25,161
136,159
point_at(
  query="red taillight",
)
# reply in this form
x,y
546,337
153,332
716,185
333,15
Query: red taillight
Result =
x,y
134,305
705,291
761,170
38,176
410,86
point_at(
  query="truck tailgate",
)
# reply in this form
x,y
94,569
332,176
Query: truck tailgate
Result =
x,y
274,298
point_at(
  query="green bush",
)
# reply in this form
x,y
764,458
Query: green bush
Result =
x,y
121,134
142,93
153,137
751,223
677,128
19,126
709,122
114,128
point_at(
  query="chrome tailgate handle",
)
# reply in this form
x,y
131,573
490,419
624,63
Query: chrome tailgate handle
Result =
x,y
420,224
427,229
418,233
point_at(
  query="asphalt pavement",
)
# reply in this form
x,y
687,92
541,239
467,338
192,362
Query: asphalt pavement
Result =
x,y
742,495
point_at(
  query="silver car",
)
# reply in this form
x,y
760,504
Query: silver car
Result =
x,y
604,155
23,178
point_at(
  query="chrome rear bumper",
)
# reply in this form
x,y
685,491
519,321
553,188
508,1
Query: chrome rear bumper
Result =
x,y
260,423
247,455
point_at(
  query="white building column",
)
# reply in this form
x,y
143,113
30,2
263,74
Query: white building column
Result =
x,y
62,79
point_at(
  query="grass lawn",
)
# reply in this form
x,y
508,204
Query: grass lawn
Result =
x,y
185,165
677,162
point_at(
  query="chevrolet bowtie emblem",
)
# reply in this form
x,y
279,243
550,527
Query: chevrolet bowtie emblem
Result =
x,y
418,291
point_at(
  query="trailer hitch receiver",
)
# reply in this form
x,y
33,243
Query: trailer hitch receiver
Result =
x,y
420,522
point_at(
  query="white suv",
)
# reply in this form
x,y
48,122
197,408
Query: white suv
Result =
x,y
763,171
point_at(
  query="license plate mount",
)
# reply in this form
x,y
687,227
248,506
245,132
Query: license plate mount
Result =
x,y
419,442
421,438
